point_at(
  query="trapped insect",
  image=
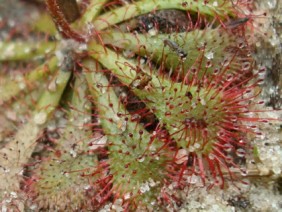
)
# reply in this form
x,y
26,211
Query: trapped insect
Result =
x,y
238,22
173,45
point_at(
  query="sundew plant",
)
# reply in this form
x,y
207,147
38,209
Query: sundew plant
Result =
x,y
122,105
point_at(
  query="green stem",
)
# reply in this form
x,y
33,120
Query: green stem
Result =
x,y
79,99
91,13
219,8
50,99
79,117
95,78
124,69
10,88
14,51
112,60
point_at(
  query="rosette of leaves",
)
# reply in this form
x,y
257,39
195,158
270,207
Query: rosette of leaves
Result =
x,y
146,107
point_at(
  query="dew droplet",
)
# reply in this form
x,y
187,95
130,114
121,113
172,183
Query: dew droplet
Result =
x,y
27,50
228,159
144,188
209,55
229,77
73,153
265,121
215,71
261,102
242,142
254,127
52,86
33,207
152,183
197,146
220,134
153,32
240,152
193,70
87,120
203,101
262,71
181,156
59,81
260,82
215,4
22,85
12,115
141,159
6,170
236,127
135,117
184,4
243,171
168,113
260,135
227,147
208,64
128,53
21,81
225,62
98,142
246,66
40,118
218,181
248,90
153,203
241,45
233,118
127,196
211,156
87,187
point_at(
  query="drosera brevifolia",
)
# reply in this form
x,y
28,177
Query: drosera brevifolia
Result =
x,y
145,112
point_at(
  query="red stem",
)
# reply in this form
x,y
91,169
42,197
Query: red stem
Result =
x,y
61,22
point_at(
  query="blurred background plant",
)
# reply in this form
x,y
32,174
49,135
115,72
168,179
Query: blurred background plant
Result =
x,y
133,105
